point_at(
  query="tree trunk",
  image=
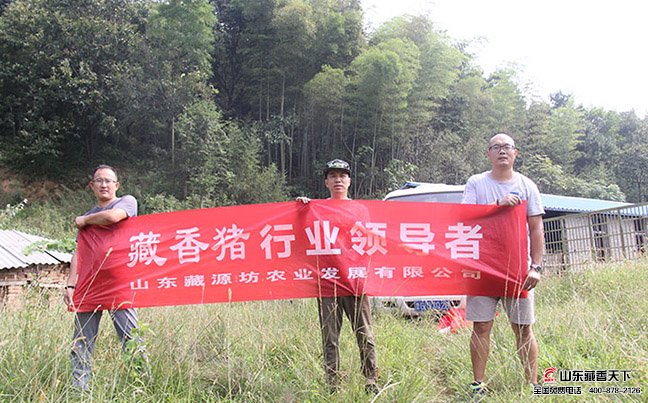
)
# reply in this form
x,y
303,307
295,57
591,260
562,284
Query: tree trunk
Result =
x,y
377,127
304,150
173,143
282,150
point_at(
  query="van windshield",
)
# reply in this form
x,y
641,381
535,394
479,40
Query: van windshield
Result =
x,y
442,197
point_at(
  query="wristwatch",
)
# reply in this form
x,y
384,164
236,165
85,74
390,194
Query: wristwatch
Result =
x,y
536,267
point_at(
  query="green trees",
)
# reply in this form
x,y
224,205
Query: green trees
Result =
x,y
230,101
324,124
87,78
218,162
61,99
119,81
381,79
631,161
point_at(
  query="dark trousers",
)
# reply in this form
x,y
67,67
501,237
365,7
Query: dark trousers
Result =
x,y
358,311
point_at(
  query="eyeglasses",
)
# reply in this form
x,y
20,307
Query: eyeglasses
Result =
x,y
498,147
100,181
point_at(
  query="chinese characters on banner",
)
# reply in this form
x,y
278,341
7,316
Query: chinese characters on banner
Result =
x,y
294,250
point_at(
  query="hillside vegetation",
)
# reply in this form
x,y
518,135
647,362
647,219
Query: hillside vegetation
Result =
x,y
217,102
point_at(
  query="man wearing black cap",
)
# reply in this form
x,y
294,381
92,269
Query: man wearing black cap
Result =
x,y
337,178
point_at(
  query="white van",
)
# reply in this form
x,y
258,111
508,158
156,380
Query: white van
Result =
x,y
413,307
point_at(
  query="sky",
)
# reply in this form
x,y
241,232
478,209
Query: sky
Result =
x,y
595,50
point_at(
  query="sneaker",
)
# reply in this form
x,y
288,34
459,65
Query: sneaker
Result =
x,y
478,388
372,388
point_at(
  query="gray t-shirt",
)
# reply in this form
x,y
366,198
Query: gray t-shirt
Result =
x,y
483,189
127,203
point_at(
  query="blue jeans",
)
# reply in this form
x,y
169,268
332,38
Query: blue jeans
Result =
x,y
86,327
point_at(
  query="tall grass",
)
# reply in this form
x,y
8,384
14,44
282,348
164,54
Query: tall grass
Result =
x,y
270,351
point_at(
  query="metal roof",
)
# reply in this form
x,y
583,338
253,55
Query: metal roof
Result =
x,y
12,251
556,203
578,204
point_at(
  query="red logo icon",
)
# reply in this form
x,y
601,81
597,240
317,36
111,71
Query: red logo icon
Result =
x,y
550,375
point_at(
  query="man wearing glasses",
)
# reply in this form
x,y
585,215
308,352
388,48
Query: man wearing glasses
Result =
x,y
109,210
503,186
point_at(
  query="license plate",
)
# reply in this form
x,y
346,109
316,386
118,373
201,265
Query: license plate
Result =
x,y
441,305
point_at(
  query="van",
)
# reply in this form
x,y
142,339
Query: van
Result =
x,y
413,307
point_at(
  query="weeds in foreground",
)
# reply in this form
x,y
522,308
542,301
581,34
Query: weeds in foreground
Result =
x,y
270,351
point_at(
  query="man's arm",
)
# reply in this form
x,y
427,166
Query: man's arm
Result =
x,y
71,281
106,217
536,237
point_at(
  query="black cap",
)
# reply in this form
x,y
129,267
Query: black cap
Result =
x,y
339,165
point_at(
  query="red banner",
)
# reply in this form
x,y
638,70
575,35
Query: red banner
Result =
x,y
294,250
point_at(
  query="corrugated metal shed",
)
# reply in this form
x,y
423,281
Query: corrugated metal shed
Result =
x,y
577,204
12,247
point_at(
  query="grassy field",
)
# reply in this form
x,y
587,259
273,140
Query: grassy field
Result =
x,y
270,351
